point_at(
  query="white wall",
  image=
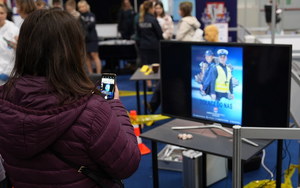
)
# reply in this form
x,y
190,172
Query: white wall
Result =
x,y
248,13
251,14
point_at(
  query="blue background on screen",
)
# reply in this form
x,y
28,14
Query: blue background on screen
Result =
x,y
224,110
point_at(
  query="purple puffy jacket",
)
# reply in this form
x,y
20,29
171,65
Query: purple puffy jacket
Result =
x,y
91,131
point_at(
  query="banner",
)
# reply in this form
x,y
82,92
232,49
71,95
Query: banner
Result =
x,y
222,11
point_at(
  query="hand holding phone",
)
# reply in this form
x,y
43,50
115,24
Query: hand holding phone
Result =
x,y
116,94
107,85
10,44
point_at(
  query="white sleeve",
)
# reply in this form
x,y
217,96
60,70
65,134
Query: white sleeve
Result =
x,y
182,31
10,56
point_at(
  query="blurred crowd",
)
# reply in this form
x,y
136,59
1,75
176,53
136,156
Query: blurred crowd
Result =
x,y
9,31
146,27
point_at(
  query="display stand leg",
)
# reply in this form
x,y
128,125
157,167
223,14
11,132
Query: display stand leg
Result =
x,y
138,101
137,88
279,163
204,171
154,164
145,97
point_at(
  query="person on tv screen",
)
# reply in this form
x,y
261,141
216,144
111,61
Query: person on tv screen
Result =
x,y
222,78
205,75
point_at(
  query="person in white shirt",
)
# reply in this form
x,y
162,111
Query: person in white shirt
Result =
x,y
165,21
8,35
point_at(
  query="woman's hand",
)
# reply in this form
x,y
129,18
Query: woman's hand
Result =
x,y
116,95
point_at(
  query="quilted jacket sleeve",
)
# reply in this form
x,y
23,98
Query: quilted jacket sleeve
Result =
x,y
113,143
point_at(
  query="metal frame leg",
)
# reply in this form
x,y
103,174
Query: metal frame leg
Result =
x,y
138,102
204,170
145,97
236,158
154,165
279,163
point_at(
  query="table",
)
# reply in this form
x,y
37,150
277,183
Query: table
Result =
x,y
140,76
114,50
210,141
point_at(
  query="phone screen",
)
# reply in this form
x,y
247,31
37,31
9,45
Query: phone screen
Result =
x,y
107,86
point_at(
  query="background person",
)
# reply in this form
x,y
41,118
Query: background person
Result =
x,y
41,4
188,24
165,21
91,37
49,105
71,8
57,4
9,33
126,20
25,7
9,12
149,34
154,1
211,33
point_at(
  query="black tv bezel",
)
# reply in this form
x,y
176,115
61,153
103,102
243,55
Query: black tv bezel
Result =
x,y
205,121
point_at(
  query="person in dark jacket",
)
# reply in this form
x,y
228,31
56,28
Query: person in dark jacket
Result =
x,y
91,37
50,107
150,33
57,4
207,67
126,20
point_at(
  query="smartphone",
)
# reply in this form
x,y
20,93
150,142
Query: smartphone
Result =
x,y
107,85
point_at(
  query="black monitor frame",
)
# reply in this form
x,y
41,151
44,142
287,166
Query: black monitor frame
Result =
x,y
257,112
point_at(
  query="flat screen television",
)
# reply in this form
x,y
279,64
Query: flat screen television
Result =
x,y
228,83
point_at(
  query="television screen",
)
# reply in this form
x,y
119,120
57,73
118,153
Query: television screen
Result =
x,y
232,84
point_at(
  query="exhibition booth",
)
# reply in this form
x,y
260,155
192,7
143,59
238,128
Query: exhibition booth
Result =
x,y
224,114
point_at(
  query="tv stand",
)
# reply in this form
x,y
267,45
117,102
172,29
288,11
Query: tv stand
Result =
x,y
217,126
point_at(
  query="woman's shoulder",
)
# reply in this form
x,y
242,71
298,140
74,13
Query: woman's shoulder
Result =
x,y
149,17
96,110
98,104
11,25
96,101
88,14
